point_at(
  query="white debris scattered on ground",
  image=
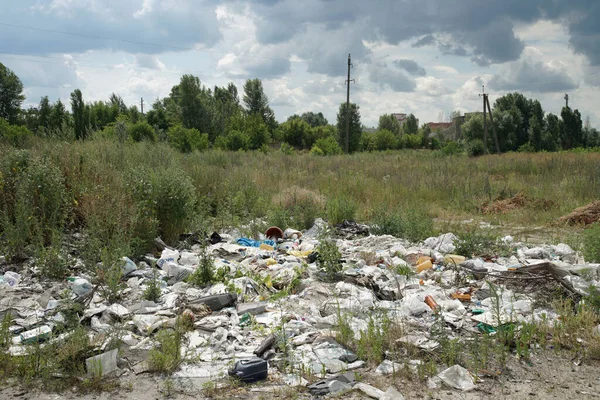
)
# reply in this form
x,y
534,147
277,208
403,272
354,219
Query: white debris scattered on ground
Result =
x,y
277,288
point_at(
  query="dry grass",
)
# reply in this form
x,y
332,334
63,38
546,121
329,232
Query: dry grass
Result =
x,y
290,197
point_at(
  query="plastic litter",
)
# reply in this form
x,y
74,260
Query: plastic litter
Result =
x,y
12,278
431,303
252,370
102,364
36,335
457,377
217,302
80,286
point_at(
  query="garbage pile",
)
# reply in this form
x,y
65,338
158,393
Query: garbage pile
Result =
x,y
270,313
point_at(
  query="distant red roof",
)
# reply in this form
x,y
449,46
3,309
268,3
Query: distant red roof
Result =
x,y
434,126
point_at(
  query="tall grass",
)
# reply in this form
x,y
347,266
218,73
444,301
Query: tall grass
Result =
x,y
129,192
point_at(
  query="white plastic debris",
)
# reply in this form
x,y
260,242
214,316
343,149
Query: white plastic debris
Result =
x,y
128,266
457,377
12,278
81,286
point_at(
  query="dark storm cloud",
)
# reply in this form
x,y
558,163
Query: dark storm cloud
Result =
x,y
411,67
481,29
385,77
533,76
174,25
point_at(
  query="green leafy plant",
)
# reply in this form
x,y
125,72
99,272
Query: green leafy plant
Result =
x,y
203,275
339,209
591,243
411,224
328,259
152,291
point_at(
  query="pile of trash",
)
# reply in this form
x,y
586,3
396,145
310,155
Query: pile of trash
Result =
x,y
272,314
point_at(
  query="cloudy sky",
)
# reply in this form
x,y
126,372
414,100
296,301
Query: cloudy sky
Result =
x,y
428,57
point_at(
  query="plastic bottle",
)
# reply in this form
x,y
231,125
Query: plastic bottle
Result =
x,y
431,303
454,259
424,266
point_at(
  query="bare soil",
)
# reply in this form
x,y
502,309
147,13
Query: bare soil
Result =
x,y
549,375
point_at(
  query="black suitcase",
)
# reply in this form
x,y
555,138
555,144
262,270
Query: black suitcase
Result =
x,y
253,370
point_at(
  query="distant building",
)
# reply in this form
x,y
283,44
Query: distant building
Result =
x,y
439,126
401,118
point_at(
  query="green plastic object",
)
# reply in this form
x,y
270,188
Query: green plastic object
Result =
x,y
485,328
477,311
245,319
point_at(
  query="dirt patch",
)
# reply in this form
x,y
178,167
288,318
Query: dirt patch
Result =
x,y
585,215
503,206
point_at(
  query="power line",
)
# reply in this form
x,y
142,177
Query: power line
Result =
x,y
140,68
166,46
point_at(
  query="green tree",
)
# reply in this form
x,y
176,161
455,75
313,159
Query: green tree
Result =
x,y
551,133
257,130
522,109
536,130
80,114
257,102
385,140
117,104
58,115
411,126
141,131
390,123
355,131
11,95
326,146
297,133
572,128
187,140
45,109
314,119
157,117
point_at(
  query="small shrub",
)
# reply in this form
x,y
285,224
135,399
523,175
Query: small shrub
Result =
x,y
152,291
413,225
373,342
475,148
203,275
187,140
286,148
109,274
477,242
141,131
15,135
51,263
339,209
236,141
451,148
166,356
329,258
328,146
591,243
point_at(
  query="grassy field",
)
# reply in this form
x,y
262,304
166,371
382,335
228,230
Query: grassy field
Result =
x,y
128,193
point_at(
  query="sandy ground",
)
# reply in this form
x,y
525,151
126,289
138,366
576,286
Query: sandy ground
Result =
x,y
548,376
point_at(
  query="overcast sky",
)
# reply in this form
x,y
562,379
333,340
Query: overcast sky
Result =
x,y
428,57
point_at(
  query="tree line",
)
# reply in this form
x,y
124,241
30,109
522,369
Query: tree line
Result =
x,y
196,117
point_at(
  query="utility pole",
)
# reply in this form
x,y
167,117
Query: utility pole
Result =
x,y
348,105
486,104
485,149
142,105
567,99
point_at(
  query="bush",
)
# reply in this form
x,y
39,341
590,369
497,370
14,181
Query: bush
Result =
x,y
475,148
385,140
33,202
17,136
203,275
591,243
316,151
285,148
141,131
166,356
452,148
340,209
413,225
174,197
187,140
329,258
237,140
329,146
